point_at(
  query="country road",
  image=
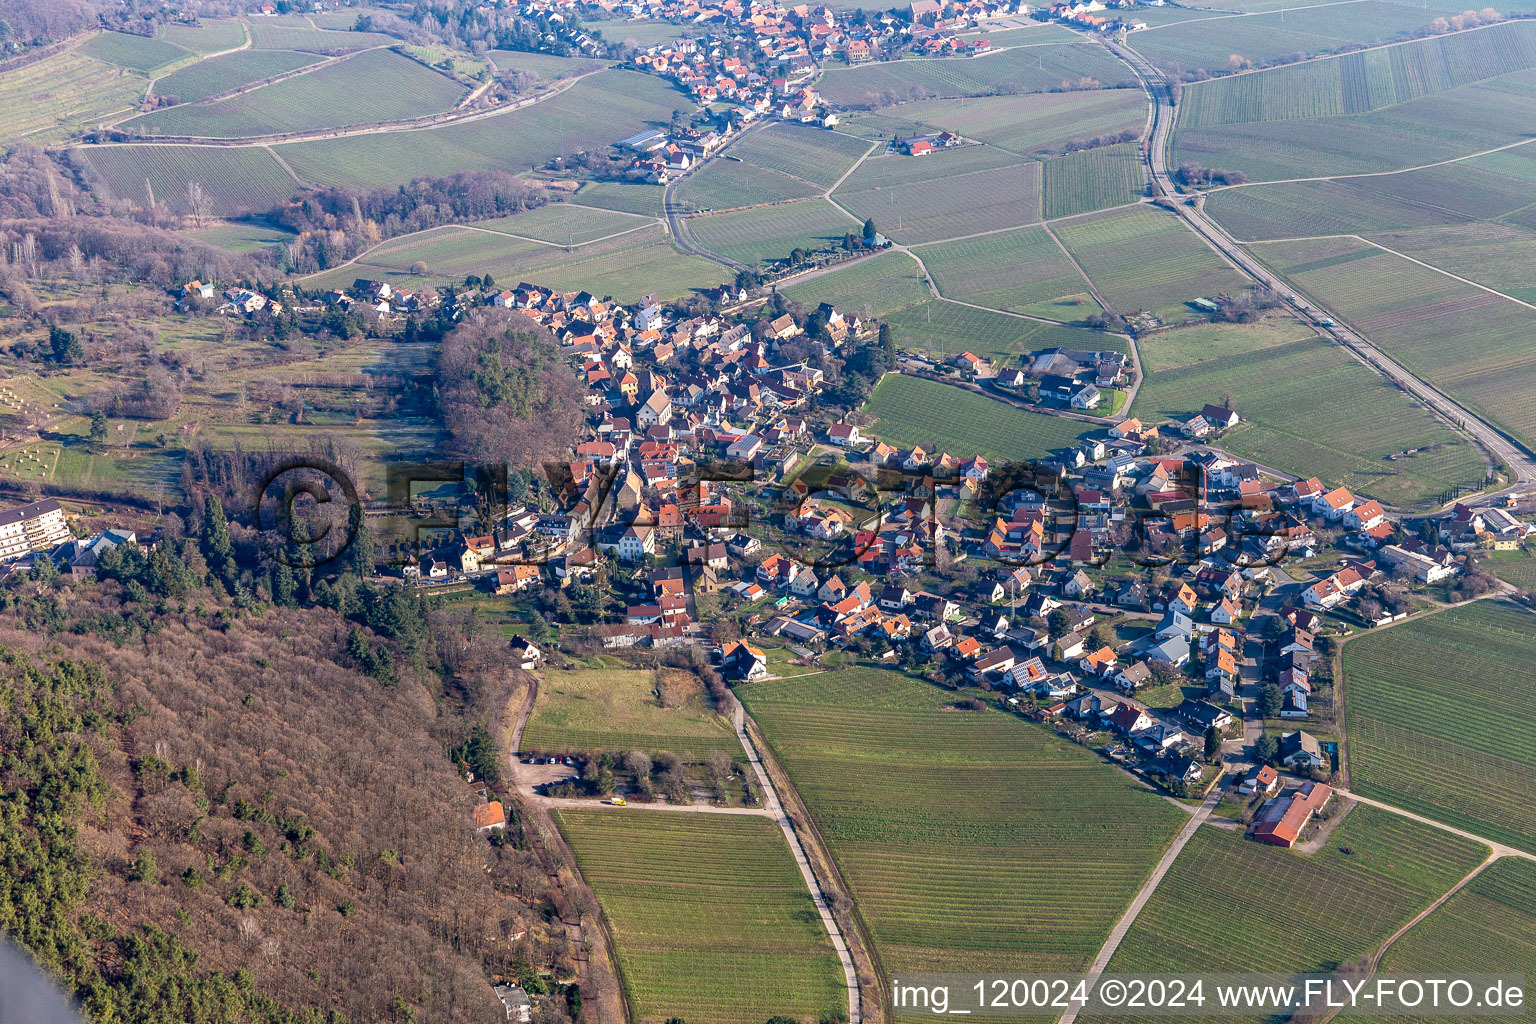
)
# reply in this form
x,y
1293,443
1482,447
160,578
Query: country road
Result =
x,y
1520,461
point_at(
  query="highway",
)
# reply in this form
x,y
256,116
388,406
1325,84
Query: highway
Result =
x,y
1500,446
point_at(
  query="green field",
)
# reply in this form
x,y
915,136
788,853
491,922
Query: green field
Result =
x,y
241,179
1094,179
1146,259
1020,69
626,267
296,34
711,918
231,71
133,53
546,65
876,284
242,236
565,223
882,171
379,86
970,840
769,232
1274,38
1229,904
940,418
1307,407
1517,567
626,198
616,709
727,185
962,204
943,328
592,113
1494,255
47,100
1472,343
1490,926
212,36
1034,124
1441,717
811,154
1018,270
1299,209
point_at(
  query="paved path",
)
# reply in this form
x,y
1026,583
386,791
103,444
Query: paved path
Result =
x,y
1123,926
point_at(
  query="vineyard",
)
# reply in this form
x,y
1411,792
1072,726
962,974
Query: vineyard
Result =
x,y
970,840
1491,254
238,179
1020,69
1231,905
1489,924
812,154
881,171
565,223
1144,258
1307,408
296,34
57,95
378,86
711,918
1517,567
926,211
1093,180
133,53
1034,124
1441,714
625,198
1012,270
942,328
221,74
212,36
878,284
941,418
1299,209
726,185
771,232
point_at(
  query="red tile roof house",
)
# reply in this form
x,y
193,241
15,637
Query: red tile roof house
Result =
x,y
1281,820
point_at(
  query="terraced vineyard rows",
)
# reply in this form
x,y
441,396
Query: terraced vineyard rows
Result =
x,y
1093,180
1022,69
711,917
44,101
221,74
814,154
927,211
942,327
1441,714
1009,270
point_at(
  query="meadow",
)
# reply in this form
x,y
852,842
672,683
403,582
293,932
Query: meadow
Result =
x,y
48,100
941,418
1307,407
970,840
592,113
1015,270
241,236
1019,69
874,284
617,708
711,918
942,328
927,211
1145,259
1488,926
1517,567
810,154
133,53
231,71
239,179
379,86
1441,718
769,232
1467,341
1229,904
1034,124
1093,179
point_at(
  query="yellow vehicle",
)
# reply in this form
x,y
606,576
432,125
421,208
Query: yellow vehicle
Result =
x,y
618,801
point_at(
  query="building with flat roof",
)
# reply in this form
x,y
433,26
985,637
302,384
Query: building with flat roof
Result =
x,y
36,526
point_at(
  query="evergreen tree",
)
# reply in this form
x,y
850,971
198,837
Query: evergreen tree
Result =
x,y
284,587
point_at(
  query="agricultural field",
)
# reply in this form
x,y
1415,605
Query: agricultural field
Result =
x,y
1019,69
1471,343
927,211
547,66
711,917
625,198
240,179
1021,270
939,417
1517,567
810,154
1500,257
1217,908
882,171
220,74
942,328
241,236
617,708
62,94
296,34
592,113
1441,718
212,36
728,185
380,86
1307,408
1094,179
952,828
625,267
1032,125
1145,259
565,223
1266,39
876,284
1488,926
133,53
644,32
770,232
1303,208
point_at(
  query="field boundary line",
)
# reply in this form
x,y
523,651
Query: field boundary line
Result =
x,y
1379,174
856,165
1093,289
542,241
284,165
1447,273
1252,14
1029,224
